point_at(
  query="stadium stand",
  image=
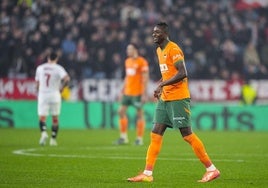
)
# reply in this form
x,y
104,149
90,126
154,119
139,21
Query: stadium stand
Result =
x,y
220,38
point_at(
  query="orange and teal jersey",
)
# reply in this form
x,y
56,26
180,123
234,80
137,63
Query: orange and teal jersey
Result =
x,y
135,67
168,57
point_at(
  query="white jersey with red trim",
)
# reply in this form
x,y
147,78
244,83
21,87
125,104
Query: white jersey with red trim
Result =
x,y
49,77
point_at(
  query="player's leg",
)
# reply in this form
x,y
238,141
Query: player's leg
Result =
x,y
42,123
54,131
154,147
162,121
182,120
42,108
200,151
155,143
123,125
140,127
55,111
44,135
152,154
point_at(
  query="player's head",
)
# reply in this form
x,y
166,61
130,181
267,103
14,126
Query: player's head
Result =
x,y
160,32
132,50
53,56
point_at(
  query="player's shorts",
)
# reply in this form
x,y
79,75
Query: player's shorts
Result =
x,y
132,101
174,114
49,104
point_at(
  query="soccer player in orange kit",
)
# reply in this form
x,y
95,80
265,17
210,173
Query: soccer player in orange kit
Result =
x,y
134,93
173,107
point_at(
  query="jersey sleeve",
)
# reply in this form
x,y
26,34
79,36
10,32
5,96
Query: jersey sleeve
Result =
x,y
62,72
176,55
144,65
37,73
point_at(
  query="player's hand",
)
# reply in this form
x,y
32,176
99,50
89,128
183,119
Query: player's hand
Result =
x,y
158,91
144,98
119,97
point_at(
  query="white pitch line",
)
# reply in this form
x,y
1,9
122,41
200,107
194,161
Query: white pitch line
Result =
x,y
31,152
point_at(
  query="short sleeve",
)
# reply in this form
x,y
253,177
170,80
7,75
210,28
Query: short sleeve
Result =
x,y
144,65
62,72
176,55
37,73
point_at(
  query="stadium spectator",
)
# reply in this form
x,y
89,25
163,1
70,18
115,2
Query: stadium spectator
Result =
x,y
117,66
68,45
248,94
81,60
264,53
251,61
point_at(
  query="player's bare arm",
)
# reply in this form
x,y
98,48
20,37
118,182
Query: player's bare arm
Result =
x,y
65,82
121,93
145,79
181,74
158,90
37,86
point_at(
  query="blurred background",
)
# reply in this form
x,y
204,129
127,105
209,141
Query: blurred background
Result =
x,y
225,45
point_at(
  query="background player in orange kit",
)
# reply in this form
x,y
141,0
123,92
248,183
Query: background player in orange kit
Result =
x,y
134,93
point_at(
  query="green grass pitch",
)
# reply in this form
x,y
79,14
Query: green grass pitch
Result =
x,y
87,158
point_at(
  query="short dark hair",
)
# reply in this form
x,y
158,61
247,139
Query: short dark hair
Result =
x,y
53,56
163,26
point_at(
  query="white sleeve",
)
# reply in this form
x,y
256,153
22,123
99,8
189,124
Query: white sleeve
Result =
x,y
62,72
37,74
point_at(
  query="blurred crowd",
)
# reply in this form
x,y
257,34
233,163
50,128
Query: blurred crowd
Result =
x,y
218,39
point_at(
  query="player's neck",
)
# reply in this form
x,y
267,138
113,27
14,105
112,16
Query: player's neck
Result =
x,y
164,43
135,56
